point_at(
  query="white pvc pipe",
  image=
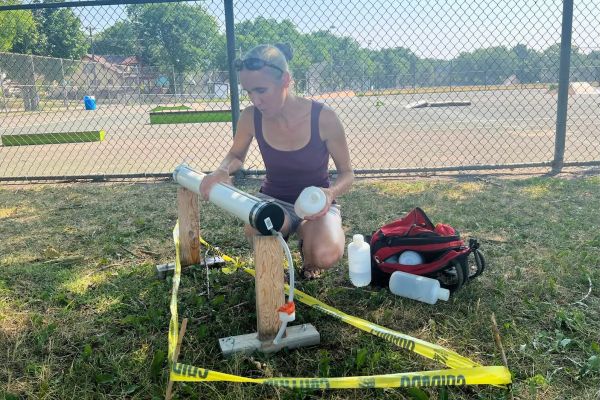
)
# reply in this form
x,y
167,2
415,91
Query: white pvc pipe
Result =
x,y
227,197
262,214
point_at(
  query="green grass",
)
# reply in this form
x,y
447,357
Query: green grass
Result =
x,y
187,117
82,314
52,138
170,108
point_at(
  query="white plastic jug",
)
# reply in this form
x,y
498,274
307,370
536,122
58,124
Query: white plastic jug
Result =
x,y
359,261
310,201
417,287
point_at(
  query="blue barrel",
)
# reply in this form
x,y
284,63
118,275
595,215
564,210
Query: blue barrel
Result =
x,y
89,102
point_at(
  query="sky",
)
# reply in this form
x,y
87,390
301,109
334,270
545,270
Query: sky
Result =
x,y
435,29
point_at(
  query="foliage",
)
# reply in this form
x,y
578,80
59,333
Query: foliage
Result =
x,y
18,30
179,35
261,30
119,38
184,37
61,33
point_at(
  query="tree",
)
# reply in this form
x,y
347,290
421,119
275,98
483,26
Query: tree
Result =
x,y
528,63
266,31
549,63
493,65
18,31
344,64
118,39
594,62
269,31
61,33
395,67
180,35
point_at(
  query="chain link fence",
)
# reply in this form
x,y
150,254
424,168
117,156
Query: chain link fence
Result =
x,y
422,86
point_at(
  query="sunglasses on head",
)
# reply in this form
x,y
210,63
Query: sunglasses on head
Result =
x,y
254,64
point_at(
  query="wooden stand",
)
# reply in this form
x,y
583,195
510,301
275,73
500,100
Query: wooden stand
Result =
x,y
189,227
189,235
268,257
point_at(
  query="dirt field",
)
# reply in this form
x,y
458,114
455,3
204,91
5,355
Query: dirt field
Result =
x,y
499,127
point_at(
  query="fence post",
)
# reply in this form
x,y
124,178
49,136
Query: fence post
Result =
x,y
414,73
4,105
34,97
139,84
174,82
450,75
563,86
233,82
64,83
485,78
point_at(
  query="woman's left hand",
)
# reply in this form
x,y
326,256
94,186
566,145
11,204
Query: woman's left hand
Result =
x,y
328,201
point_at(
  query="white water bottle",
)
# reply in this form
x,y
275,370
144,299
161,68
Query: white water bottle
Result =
x,y
310,201
417,287
359,261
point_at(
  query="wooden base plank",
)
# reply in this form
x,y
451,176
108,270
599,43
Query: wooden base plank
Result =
x,y
296,336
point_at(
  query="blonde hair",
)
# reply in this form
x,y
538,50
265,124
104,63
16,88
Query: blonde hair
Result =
x,y
278,55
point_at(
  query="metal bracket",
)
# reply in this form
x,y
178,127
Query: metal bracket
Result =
x,y
163,269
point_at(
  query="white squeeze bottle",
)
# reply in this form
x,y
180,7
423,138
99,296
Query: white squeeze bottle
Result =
x,y
359,261
310,201
417,287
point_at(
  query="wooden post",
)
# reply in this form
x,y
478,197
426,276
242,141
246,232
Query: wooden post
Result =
x,y
268,257
268,260
189,226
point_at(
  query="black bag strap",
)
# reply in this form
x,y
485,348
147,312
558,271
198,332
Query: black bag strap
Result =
x,y
479,259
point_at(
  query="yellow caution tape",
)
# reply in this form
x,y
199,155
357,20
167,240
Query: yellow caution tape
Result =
x,y
426,349
463,370
445,377
173,324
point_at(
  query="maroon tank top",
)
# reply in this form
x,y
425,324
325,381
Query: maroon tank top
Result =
x,y
289,172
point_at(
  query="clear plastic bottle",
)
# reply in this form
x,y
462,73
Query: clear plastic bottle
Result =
x,y
417,287
310,201
359,261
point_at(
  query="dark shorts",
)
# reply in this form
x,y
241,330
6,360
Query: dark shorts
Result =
x,y
288,209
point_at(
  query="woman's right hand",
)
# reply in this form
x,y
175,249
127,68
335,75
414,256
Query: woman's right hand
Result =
x,y
212,179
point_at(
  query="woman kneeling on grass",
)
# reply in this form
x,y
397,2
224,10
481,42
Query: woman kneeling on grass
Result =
x,y
295,136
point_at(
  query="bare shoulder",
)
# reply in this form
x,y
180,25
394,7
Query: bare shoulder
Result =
x,y
247,113
246,121
330,125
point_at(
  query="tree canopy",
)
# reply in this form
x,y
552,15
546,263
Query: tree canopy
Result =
x,y
18,31
186,37
61,33
180,35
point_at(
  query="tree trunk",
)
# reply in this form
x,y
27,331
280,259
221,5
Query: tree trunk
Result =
x,y
31,98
